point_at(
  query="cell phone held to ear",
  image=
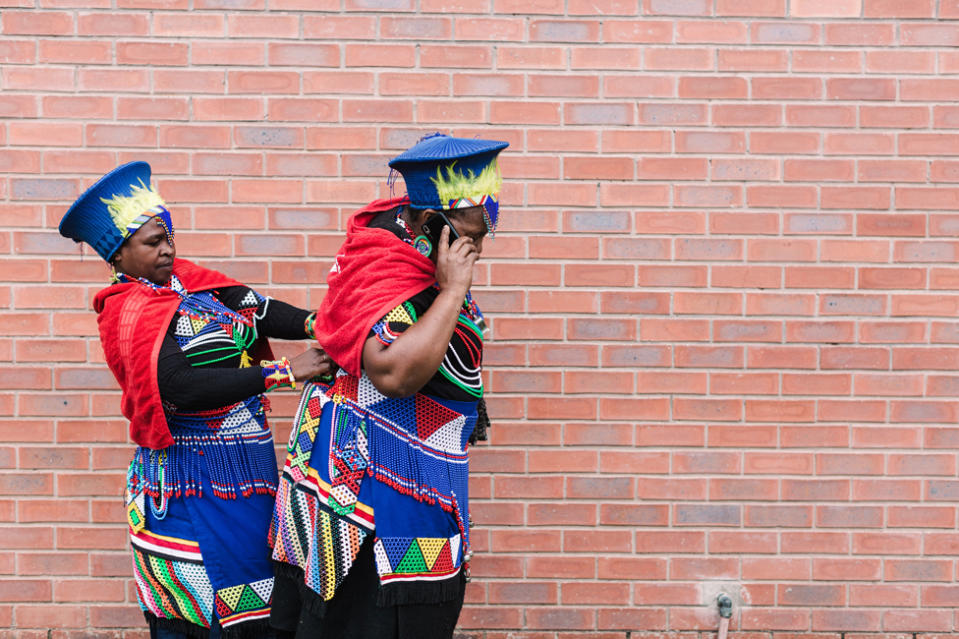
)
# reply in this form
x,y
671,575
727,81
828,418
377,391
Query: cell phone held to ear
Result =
x,y
434,227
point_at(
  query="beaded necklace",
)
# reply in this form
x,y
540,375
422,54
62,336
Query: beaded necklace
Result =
x,y
403,225
474,313
198,306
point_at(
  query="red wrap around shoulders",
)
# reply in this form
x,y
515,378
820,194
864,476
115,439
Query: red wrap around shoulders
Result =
x,y
133,319
372,274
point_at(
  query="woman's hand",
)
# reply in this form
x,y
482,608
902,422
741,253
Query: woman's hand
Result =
x,y
454,263
313,362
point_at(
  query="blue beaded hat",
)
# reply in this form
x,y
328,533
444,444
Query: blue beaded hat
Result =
x,y
442,172
114,208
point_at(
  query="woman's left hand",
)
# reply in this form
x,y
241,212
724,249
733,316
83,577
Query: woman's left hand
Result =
x,y
454,263
313,362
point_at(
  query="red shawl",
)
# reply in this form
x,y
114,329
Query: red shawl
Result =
x,y
372,274
133,319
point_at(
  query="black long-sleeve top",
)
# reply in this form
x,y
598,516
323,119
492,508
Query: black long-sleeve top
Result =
x,y
201,370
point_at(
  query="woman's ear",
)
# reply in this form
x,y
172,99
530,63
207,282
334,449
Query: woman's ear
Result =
x,y
419,218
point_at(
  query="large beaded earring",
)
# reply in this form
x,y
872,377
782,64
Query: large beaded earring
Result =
x,y
423,245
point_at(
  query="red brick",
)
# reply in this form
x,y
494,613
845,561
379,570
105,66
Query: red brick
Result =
x,y
37,22
499,617
682,568
849,517
917,570
893,116
902,62
727,32
265,82
820,8
791,88
619,618
56,563
227,53
928,35
791,142
189,24
597,168
262,26
33,133
629,58
50,79
827,61
675,59
893,543
152,108
859,144
816,542
847,33
479,28
77,52
709,142
18,51
784,32
767,8
752,59
819,170
927,144
152,53
882,595
457,57
470,84
898,9
714,87
811,595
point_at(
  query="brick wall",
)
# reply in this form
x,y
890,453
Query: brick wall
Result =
x,y
724,350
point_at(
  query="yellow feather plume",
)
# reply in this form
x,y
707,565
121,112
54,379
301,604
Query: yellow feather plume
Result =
x,y
455,185
126,208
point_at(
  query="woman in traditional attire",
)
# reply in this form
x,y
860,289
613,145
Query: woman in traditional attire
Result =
x,y
188,348
371,528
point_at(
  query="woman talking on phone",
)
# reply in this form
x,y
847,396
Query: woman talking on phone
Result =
x,y
371,529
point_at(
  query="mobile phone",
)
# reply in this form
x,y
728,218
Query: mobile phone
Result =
x,y
434,226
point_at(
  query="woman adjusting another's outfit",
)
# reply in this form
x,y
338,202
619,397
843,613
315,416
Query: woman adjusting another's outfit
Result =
x,y
187,347
371,528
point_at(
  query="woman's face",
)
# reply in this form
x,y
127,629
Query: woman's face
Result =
x,y
470,222
147,253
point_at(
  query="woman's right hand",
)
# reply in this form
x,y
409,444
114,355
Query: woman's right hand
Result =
x,y
454,263
313,362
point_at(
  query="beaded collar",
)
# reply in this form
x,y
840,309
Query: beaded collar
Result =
x,y
201,306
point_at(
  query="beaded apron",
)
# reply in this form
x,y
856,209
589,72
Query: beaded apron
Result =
x,y
416,449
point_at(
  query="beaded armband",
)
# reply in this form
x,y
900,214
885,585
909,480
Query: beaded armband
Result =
x,y
309,325
278,374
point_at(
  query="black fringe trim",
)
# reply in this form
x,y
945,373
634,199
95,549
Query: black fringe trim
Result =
x,y
283,569
182,626
314,603
482,423
254,629
309,599
421,592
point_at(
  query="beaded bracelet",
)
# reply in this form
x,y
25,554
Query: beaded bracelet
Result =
x,y
278,374
310,325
